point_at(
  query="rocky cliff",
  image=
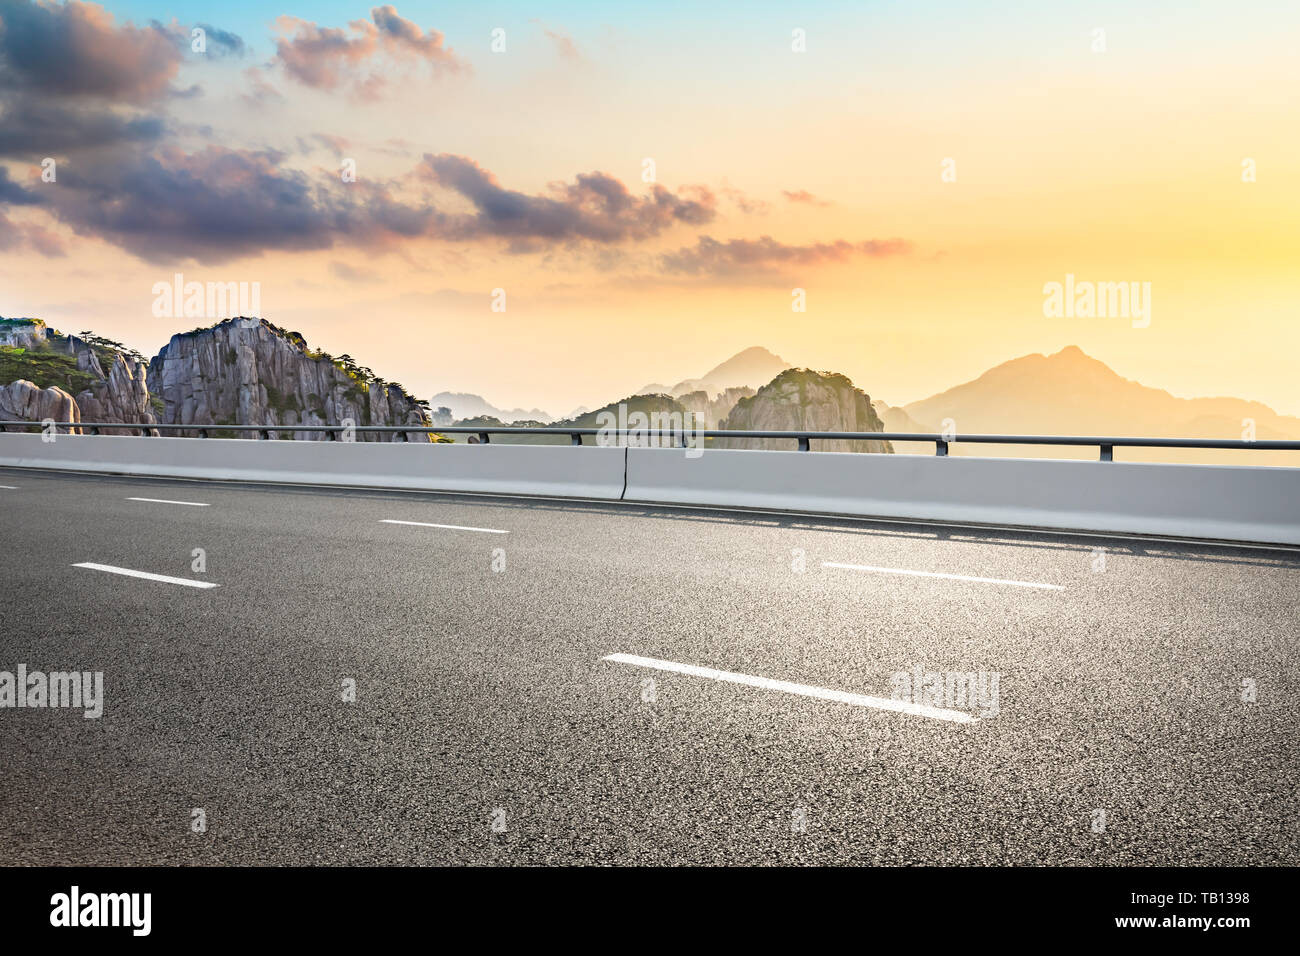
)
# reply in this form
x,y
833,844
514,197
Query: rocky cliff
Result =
x,y
897,420
47,374
24,401
802,400
248,371
744,370
714,409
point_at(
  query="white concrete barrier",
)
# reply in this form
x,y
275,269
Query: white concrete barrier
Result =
x,y
586,472
1238,503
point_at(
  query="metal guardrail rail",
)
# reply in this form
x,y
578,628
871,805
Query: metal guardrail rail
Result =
x,y
680,437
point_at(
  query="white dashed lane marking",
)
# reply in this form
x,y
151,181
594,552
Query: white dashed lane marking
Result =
x,y
449,527
148,576
168,501
803,690
948,577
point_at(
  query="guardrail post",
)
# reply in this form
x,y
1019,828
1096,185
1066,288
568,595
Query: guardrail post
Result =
x,y
203,433
483,438
1107,452
941,448
263,434
803,443
144,432
400,436
575,439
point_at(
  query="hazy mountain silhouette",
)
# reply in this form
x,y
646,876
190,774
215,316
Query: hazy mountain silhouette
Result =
x,y
755,367
752,368
1072,393
468,405
897,420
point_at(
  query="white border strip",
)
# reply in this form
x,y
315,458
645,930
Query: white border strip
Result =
x,y
924,524
803,690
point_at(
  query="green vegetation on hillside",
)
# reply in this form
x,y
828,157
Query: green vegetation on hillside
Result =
x,y
43,367
649,405
363,380
14,323
801,378
280,402
106,350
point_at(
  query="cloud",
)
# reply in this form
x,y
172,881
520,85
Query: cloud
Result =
x,y
327,141
710,256
33,129
351,273
222,42
260,89
13,194
804,196
564,45
17,235
66,71
328,58
401,34
222,203
78,85
75,49
319,57
744,203
595,207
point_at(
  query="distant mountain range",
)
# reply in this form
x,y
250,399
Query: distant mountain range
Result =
x,y
1071,393
46,374
468,405
723,385
752,368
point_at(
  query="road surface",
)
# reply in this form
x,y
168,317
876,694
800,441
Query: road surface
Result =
x,y
542,681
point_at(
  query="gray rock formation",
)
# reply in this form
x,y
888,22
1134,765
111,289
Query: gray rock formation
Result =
x,y
22,333
122,395
802,400
713,410
116,390
22,401
248,371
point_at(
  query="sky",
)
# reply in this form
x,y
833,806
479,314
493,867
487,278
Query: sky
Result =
x,y
646,189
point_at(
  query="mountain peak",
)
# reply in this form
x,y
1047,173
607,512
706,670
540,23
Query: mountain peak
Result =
x,y
1074,356
755,351
1071,392
754,366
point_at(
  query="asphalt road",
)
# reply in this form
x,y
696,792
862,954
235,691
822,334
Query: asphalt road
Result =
x,y
488,727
